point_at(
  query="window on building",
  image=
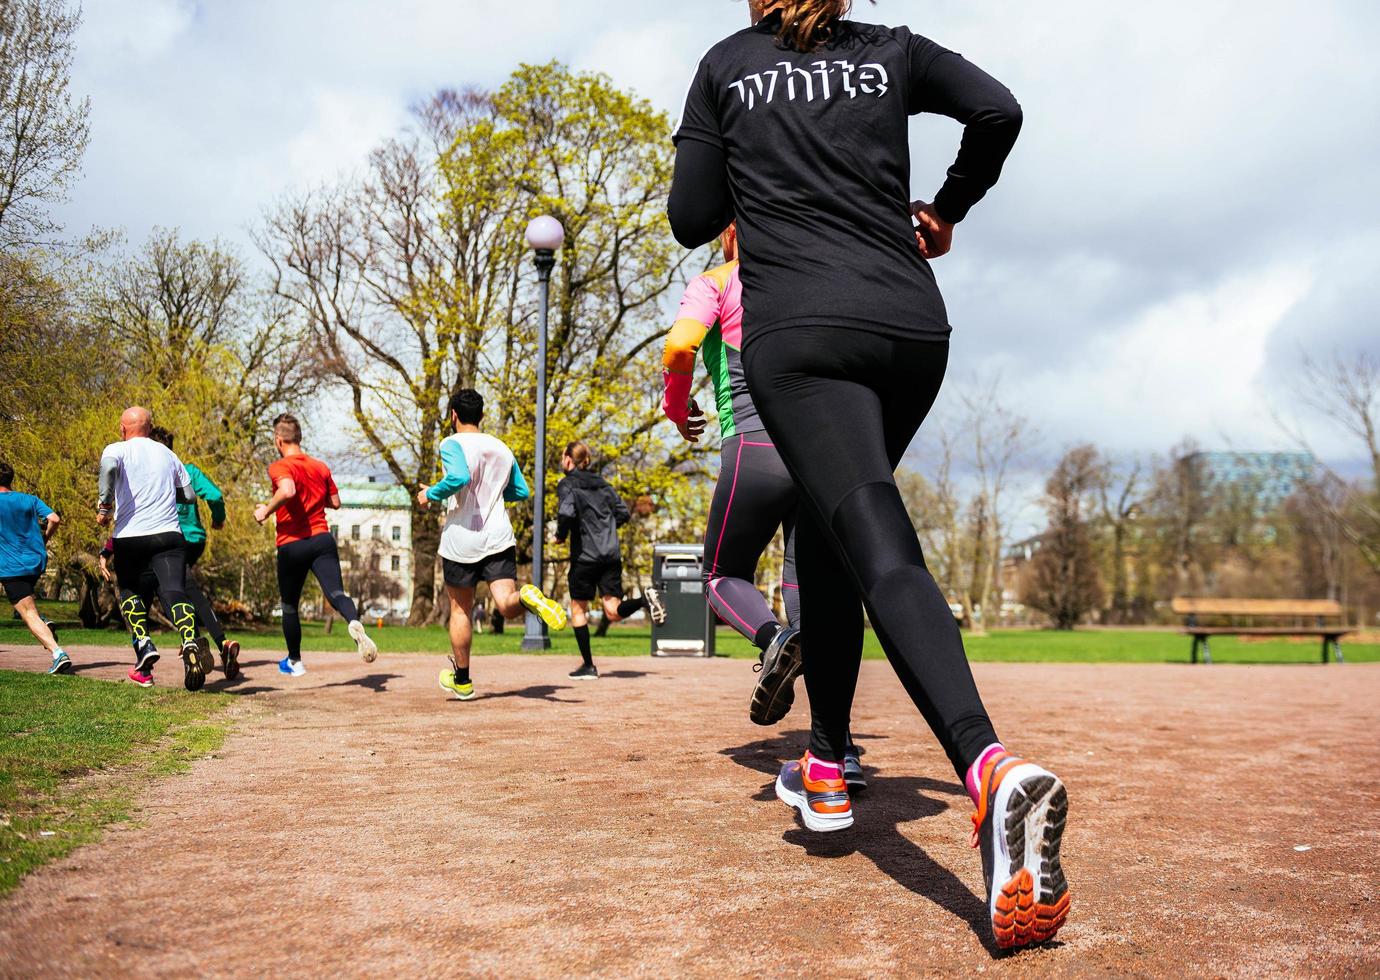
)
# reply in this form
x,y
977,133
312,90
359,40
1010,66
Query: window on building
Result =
x,y
376,532
354,532
397,533
397,564
335,530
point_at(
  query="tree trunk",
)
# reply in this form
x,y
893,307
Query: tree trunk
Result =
x,y
97,604
426,539
1120,598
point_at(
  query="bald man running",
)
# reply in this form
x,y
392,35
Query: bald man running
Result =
x,y
141,484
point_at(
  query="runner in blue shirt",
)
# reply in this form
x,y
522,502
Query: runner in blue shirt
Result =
x,y
26,524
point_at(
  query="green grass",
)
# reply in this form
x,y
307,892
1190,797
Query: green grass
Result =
x,y
54,731
57,612
1031,646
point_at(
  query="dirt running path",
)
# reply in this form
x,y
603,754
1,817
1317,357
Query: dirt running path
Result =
x,y
358,823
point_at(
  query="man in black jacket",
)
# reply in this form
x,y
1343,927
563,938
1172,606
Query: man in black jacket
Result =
x,y
589,512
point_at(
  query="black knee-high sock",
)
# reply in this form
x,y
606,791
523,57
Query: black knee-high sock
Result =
x,y
582,638
629,606
766,634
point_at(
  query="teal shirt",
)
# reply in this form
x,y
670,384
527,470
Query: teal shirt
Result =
x,y
193,532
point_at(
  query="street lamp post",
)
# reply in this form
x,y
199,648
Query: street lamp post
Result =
x,y
544,236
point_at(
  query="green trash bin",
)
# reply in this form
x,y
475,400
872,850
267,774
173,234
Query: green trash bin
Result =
x,y
678,572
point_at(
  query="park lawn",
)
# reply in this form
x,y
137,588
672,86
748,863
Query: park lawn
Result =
x,y
74,752
50,609
1012,645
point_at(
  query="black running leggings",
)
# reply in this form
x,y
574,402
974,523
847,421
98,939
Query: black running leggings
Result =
x,y
842,405
159,556
318,555
755,495
205,613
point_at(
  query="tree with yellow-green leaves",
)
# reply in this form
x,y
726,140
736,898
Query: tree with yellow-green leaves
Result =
x,y
415,282
176,327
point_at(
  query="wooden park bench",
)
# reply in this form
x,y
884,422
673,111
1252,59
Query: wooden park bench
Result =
x,y
1318,612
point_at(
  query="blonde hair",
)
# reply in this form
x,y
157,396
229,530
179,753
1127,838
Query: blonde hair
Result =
x,y
578,453
808,24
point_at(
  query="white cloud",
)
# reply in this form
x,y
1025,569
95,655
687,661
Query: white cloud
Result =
x,y
134,31
1190,365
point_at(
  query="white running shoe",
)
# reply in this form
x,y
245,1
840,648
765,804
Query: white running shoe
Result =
x,y
368,649
656,606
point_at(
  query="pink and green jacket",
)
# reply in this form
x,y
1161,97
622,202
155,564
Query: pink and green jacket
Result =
x,y
710,322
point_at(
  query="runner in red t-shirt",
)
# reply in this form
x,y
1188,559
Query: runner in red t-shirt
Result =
x,y
302,490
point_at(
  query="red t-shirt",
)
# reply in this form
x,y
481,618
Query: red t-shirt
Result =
x,y
304,515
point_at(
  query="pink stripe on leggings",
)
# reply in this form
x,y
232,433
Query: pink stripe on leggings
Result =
x,y
713,588
737,465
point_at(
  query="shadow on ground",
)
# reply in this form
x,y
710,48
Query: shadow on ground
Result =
x,y
378,683
537,692
876,834
100,665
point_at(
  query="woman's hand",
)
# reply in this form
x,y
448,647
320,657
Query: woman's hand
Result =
x,y
933,234
693,426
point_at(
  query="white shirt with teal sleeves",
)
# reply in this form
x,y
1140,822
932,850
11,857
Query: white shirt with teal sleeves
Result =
x,y
480,475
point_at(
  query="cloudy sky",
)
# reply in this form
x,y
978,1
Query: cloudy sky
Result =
x,y
1193,204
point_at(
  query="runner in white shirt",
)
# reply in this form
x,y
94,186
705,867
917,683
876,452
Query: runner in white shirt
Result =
x,y
477,541
141,483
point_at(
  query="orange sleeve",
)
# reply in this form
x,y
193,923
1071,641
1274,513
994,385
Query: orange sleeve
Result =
x,y
682,344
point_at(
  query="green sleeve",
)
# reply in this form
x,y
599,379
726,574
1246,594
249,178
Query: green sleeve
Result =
x,y
205,488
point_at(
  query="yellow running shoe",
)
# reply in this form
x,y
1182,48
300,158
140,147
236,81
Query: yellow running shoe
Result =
x,y
549,610
447,680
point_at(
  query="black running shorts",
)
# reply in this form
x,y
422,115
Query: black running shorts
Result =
x,y
19,588
491,568
589,577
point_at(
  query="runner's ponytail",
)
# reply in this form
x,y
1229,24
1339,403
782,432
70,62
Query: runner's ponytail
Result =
x,y
807,24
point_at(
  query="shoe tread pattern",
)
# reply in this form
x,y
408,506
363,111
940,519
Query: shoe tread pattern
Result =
x,y
774,694
194,675
1022,917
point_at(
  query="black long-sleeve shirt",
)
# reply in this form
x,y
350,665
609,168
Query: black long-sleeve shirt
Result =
x,y
809,152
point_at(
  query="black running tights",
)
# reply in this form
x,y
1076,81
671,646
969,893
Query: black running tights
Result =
x,y
147,558
842,406
318,555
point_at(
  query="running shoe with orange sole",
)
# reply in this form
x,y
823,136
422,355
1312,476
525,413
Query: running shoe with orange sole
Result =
x,y
230,659
1018,828
823,804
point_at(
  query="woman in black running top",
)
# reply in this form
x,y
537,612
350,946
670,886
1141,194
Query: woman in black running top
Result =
x,y
797,129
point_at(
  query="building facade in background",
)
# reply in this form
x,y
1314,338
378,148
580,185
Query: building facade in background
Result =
x,y
374,529
1270,478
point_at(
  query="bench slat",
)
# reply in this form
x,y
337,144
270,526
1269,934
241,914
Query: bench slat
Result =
x,y
1191,606
1264,631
